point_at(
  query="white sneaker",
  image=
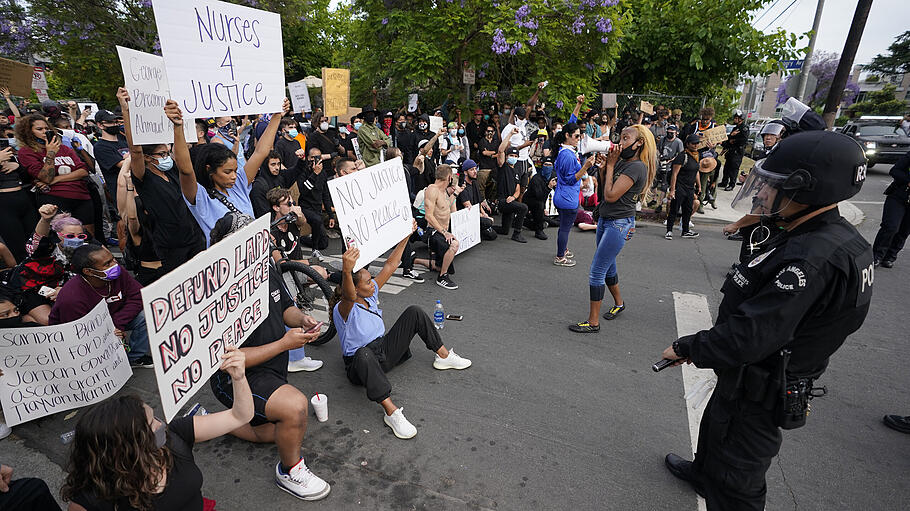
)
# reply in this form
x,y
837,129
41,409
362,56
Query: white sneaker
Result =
x,y
401,426
4,430
317,255
304,364
453,361
301,483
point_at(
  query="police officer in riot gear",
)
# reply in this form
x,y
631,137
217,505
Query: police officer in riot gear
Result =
x,y
785,311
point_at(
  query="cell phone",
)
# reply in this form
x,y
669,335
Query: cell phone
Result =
x,y
315,328
45,291
454,317
4,143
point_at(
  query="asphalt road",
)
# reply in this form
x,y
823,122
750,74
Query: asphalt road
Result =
x,y
551,420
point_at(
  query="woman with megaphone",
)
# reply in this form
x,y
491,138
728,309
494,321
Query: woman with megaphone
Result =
x,y
569,174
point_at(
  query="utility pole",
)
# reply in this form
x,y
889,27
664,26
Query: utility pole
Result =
x,y
807,62
846,60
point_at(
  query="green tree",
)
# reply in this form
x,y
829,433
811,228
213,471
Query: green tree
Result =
x,y
896,61
880,102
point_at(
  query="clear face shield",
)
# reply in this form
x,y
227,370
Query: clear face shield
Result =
x,y
761,194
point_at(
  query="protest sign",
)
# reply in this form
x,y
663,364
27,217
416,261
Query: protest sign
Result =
x,y
373,208
39,84
336,91
412,102
215,299
346,118
92,106
17,77
646,107
436,123
609,100
300,96
50,369
465,225
221,58
713,136
145,77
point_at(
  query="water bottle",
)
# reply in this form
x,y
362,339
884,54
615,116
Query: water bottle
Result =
x,y
439,316
197,409
420,232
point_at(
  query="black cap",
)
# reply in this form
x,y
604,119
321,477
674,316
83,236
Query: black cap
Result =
x,y
693,139
368,108
106,116
547,159
512,150
521,112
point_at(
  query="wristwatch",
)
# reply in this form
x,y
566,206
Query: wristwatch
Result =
x,y
676,349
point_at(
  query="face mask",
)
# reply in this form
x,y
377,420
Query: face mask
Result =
x,y
521,123
506,111
293,133
422,125
461,132
111,273
41,141
12,143
161,436
164,164
671,136
453,132
13,322
546,171
112,130
628,152
512,160
324,126
557,129
357,125
72,243
402,125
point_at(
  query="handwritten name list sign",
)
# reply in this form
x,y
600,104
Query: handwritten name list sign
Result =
x,y
51,369
222,59
219,297
373,208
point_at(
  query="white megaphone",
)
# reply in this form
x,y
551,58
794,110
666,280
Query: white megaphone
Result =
x,y
589,145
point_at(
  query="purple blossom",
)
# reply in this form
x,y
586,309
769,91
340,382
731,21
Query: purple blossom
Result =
x,y
589,66
483,94
578,25
608,3
522,12
385,21
481,74
146,3
493,94
500,45
515,47
604,25
605,39
590,4
532,39
559,105
485,65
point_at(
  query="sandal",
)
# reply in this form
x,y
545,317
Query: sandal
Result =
x,y
564,261
569,255
584,328
614,311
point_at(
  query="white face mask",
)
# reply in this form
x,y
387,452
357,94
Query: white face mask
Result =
x,y
324,126
521,123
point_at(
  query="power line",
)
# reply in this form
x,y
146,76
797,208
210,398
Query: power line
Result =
x,y
779,15
769,9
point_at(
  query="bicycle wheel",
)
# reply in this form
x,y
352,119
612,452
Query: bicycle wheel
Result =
x,y
311,293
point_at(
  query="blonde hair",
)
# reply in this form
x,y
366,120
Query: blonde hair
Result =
x,y
648,156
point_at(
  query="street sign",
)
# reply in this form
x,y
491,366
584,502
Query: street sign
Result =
x,y
469,75
792,64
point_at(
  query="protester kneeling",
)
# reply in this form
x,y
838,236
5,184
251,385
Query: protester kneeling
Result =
x,y
280,408
368,350
99,277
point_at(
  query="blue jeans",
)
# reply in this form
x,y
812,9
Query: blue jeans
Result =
x,y
610,238
139,338
566,221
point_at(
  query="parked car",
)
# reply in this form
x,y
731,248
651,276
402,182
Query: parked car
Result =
x,y
880,137
754,144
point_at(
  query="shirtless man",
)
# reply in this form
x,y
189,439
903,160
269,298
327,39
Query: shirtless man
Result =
x,y
440,204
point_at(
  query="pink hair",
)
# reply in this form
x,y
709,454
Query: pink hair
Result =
x,y
62,220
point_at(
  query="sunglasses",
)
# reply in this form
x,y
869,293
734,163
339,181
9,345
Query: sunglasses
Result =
x,y
70,236
291,203
164,154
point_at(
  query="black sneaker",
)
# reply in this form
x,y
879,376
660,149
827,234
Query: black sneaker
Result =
x,y
540,235
516,236
144,362
897,423
735,237
691,235
412,275
445,281
614,311
503,230
887,263
584,328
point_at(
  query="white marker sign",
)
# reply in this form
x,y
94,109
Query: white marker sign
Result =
x,y
465,225
300,96
412,102
50,369
92,106
222,59
373,208
436,123
145,78
219,297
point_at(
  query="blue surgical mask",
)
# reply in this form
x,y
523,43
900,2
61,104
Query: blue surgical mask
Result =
x,y
357,125
161,435
461,132
73,243
512,160
292,133
165,164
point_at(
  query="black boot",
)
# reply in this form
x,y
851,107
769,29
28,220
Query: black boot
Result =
x,y
516,236
540,235
682,469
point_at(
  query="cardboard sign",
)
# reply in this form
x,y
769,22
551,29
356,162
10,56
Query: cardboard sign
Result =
x,y
17,77
713,136
609,100
646,107
145,77
346,118
221,58
50,369
300,96
39,84
373,208
436,123
412,102
465,225
217,298
336,91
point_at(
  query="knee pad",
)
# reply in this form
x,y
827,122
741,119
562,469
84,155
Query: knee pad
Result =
x,y
597,293
612,281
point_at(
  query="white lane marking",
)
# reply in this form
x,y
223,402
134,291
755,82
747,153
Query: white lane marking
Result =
x,y
868,202
692,316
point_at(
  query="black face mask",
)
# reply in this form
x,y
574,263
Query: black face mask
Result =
x,y
671,136
369,118
628,153
13,322
112,130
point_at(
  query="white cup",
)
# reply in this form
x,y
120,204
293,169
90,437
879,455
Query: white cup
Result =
x,y
320,406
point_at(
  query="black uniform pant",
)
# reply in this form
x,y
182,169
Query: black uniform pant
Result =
x,y
319,236
683,200
535,208
894,229
368,365
28,494
731,169
513,213
19,215
736,442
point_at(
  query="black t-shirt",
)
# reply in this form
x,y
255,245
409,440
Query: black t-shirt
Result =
x,y
471,193
688,172
487,162
287,149
624,206
174,226
272,328
345,141
289,242
406,140
183,491
506,180
109,153
322,141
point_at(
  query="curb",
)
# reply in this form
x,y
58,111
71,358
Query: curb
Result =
x,y
848,210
